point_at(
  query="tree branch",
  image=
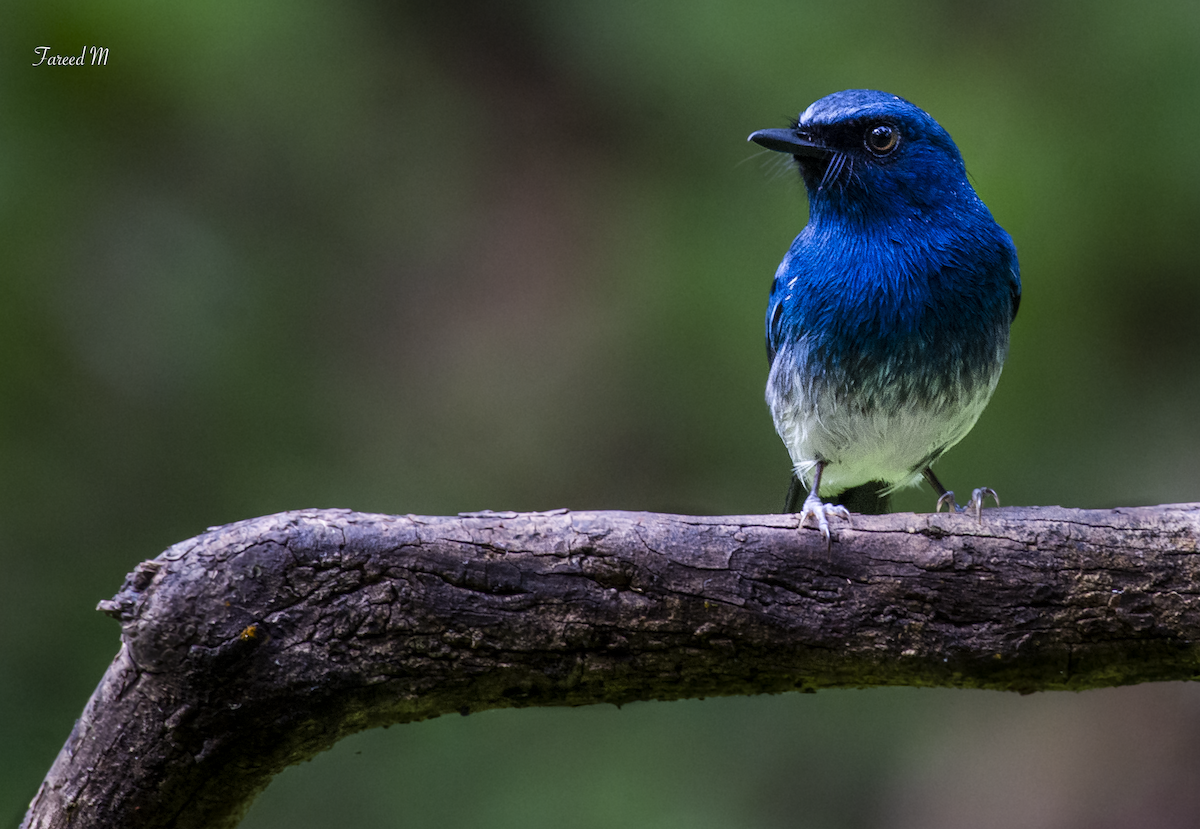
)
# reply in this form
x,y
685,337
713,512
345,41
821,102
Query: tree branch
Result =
x,y
259,644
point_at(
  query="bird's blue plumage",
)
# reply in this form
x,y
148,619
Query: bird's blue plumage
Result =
x,y
888,318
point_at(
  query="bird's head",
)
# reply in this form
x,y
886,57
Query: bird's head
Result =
x,y
872,155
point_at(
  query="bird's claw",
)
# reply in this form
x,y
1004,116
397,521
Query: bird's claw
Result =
x,y
975,505
946,499
977,497
815,508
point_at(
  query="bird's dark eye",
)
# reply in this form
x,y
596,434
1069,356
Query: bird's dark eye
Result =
x,y
882,138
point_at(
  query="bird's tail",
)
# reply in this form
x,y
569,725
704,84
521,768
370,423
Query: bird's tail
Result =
x,y
866,499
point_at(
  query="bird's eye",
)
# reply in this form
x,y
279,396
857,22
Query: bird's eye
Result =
x,y
882,139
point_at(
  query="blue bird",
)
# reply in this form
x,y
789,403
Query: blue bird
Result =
x,y
889,317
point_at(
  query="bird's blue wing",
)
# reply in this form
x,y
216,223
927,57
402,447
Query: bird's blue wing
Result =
x,y
774,314
1016,289
1010,262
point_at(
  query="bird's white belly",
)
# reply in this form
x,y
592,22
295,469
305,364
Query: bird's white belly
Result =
x,y
889,442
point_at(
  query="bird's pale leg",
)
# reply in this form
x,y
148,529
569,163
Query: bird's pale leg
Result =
x,y
815,508
946,497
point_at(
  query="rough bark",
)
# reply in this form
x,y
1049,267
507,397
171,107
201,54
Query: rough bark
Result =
x,y
261,643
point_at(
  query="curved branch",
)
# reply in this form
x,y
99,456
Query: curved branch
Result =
x,y
259,644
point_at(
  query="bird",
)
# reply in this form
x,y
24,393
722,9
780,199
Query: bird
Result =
x,y
888,320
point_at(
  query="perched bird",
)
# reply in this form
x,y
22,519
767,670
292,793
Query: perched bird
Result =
x,y
889,316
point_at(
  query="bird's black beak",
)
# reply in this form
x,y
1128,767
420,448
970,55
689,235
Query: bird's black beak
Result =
x,y
790,141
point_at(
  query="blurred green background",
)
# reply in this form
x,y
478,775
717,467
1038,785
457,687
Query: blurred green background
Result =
x,y
431,257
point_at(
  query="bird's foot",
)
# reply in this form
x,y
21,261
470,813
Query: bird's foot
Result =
x,y
815,508
975,505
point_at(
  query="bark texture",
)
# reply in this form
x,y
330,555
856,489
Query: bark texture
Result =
x,y
259,644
